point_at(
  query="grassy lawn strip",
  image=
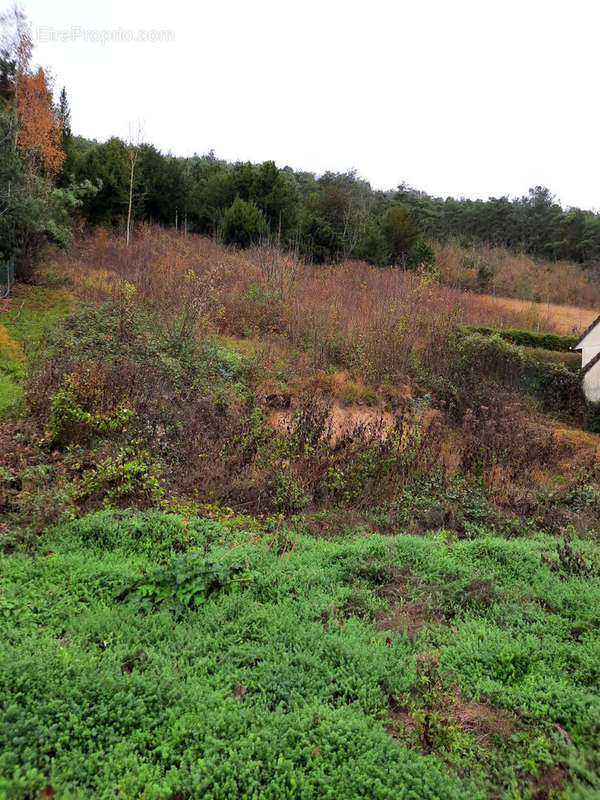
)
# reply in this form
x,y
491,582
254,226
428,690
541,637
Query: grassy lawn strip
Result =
x,y
25,320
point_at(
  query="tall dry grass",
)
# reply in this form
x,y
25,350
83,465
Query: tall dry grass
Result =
x,y
550,316
498,271
377,321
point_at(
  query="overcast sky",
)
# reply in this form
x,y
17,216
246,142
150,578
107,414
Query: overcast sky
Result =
x,y
457,97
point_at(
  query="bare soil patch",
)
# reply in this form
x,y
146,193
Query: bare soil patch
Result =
x,y
550,784
481,720
409,618
344,419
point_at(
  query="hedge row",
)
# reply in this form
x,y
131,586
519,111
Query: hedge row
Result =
x,y
558,388
545,341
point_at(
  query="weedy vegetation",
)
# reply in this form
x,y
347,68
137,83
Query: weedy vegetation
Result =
x,y
272,530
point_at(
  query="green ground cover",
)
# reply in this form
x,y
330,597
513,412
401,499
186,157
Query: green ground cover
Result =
x,y
151,655
33,313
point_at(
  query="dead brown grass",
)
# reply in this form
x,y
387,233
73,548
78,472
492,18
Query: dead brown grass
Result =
x,y
343,420
482,720
483,268
406,619
545,316
351,315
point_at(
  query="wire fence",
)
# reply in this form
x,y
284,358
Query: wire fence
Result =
x,y
7,276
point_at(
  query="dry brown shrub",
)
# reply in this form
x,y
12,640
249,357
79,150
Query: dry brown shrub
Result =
x,y
497,270
341,330
503,441
381,322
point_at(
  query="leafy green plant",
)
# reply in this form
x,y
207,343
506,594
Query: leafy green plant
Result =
x,y
584,498
572,562
491,356
128,477
65,411
544,341
290,497
186,583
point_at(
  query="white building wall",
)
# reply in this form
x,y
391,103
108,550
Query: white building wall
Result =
x,y
590,347
591,384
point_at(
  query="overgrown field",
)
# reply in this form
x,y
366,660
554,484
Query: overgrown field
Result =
x,y
568,292
275,531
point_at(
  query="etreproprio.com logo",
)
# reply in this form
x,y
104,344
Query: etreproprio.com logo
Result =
x,y
47,34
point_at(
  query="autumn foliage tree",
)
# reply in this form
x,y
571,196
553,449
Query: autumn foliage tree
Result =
x,y
32,209
39,125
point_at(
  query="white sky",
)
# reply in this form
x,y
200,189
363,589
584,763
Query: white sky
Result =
x,y
457,97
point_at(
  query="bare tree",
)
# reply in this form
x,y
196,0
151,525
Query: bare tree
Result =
x,y
16,41
133,150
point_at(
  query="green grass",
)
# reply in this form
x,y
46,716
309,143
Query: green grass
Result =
x,y
11,392
151,656
35,313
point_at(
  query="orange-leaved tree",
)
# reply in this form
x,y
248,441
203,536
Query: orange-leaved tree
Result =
x,y
40,127
32,209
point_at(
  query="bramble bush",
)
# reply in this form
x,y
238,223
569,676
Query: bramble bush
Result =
x,y
129,477
66,412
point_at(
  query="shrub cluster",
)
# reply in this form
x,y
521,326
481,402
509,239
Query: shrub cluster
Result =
x,y
135,410
544,341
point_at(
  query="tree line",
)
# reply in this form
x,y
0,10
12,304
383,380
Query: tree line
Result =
x,y
48,176
325,218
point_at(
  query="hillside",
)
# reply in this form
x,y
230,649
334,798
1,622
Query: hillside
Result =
x,y
282,530
299,487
